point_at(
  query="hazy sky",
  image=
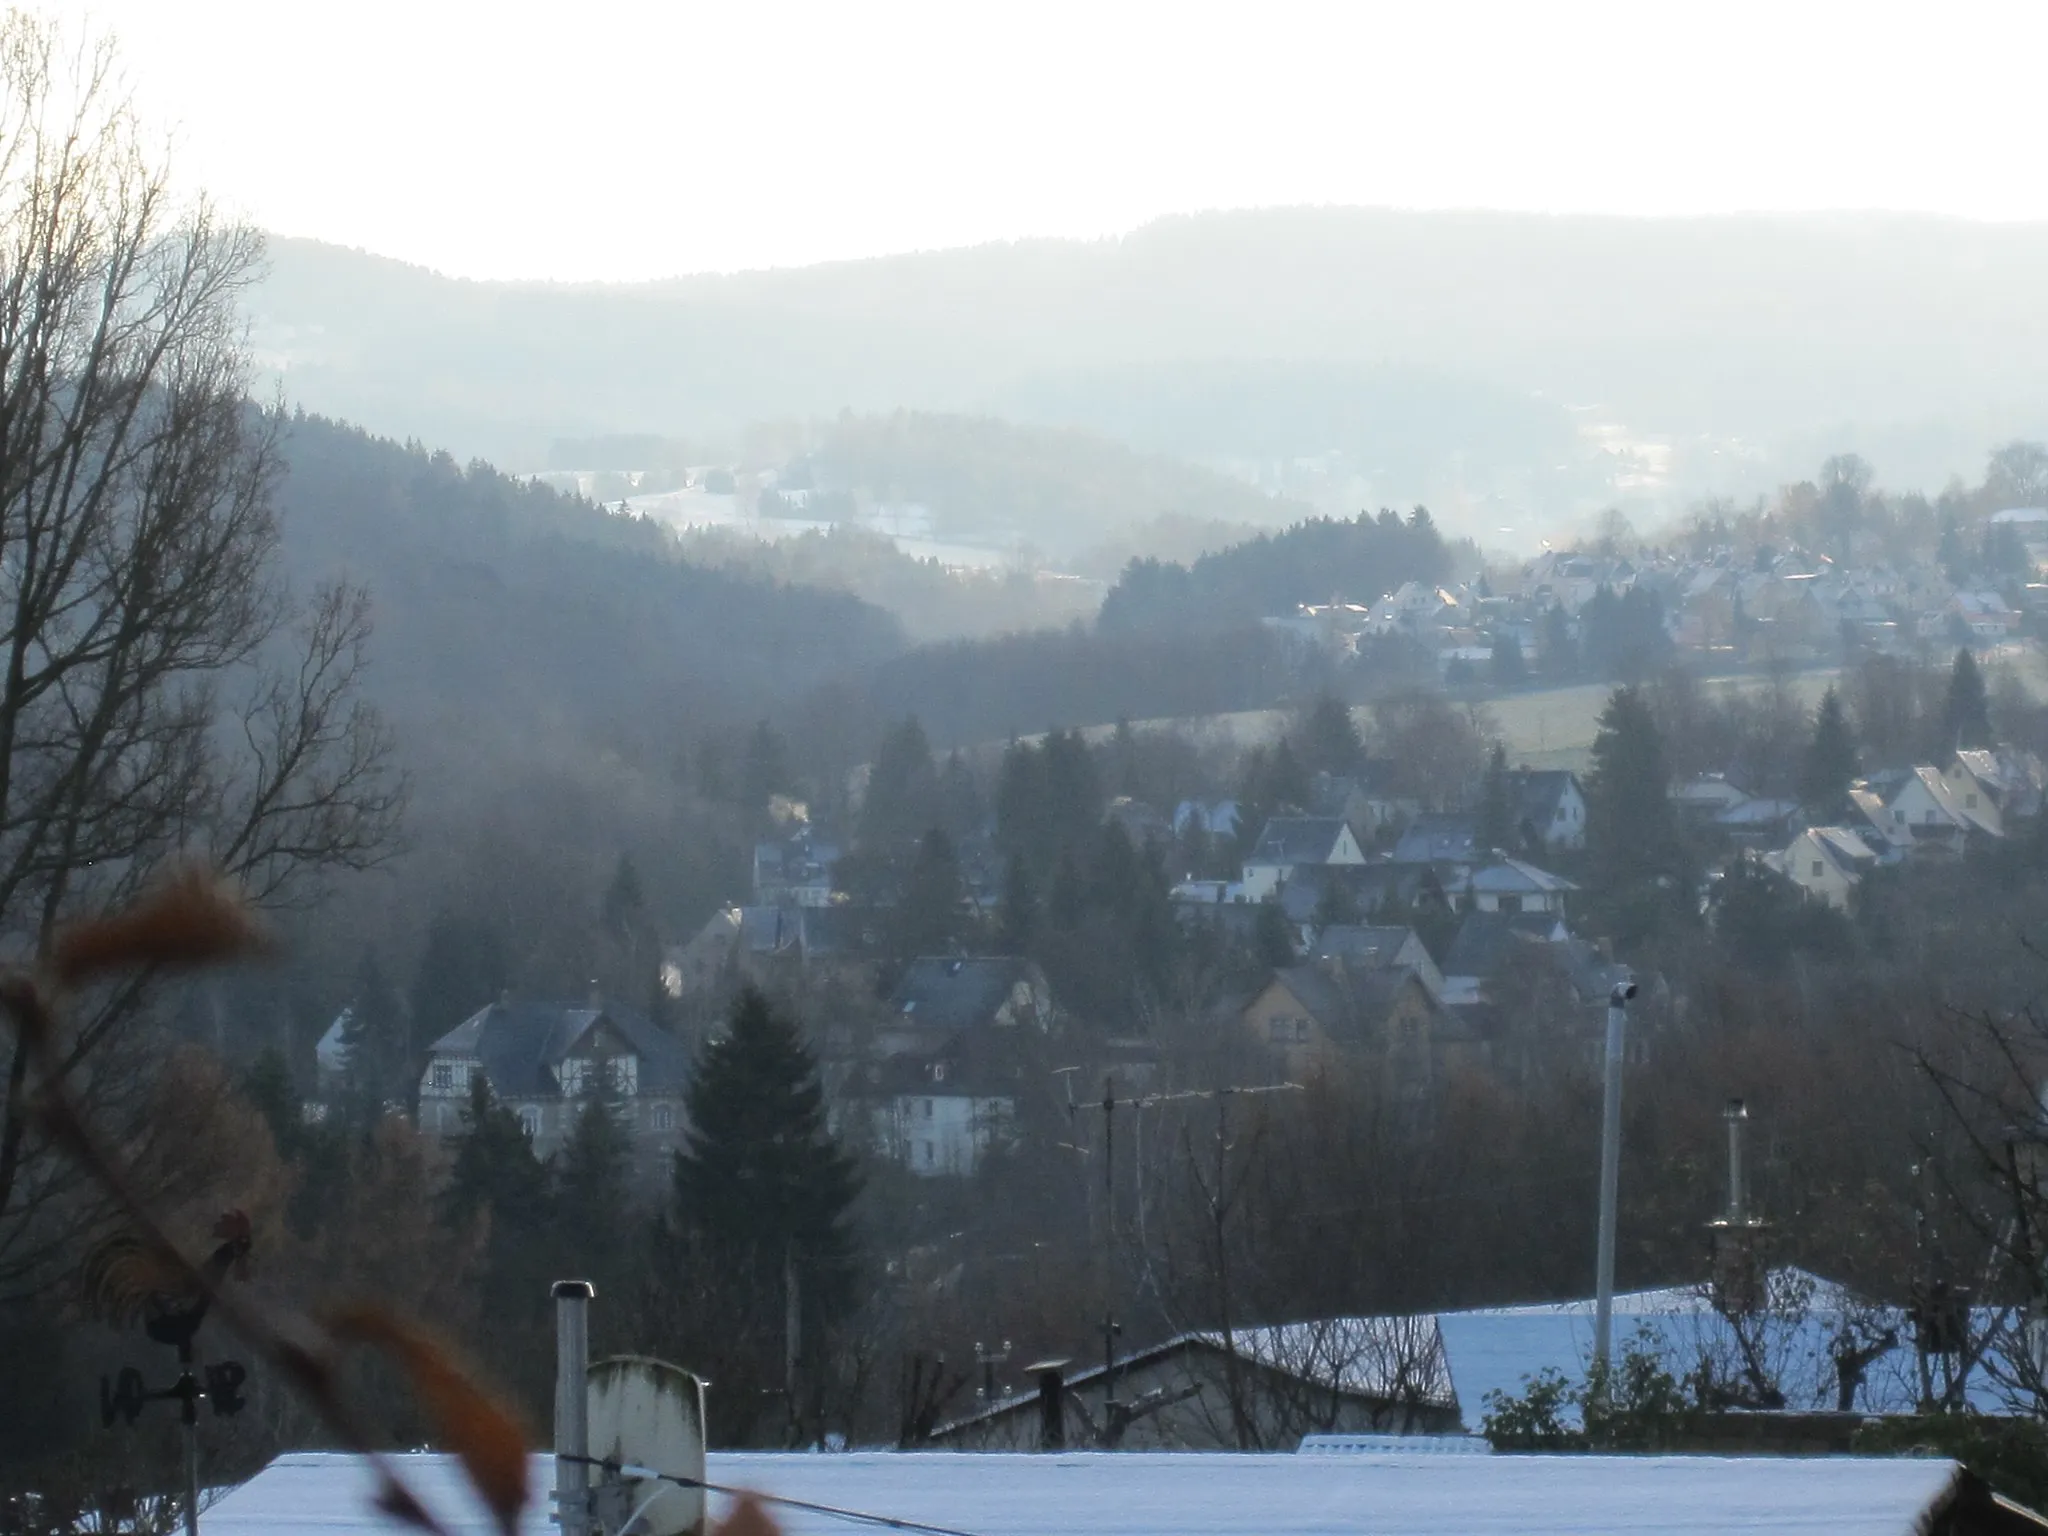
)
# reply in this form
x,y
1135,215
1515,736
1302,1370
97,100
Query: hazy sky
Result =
x,y
609,139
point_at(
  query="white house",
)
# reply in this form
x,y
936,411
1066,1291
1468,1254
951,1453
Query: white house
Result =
x,y
1549,807
1828,863
1509,885
1290,842
932,1121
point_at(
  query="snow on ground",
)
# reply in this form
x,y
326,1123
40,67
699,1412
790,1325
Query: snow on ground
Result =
x,y
1142,1494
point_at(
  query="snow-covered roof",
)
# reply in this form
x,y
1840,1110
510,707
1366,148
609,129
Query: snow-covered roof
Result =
x,y
1168,1494
1499,1348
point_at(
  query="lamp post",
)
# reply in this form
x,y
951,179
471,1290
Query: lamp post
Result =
x,y
1610,1171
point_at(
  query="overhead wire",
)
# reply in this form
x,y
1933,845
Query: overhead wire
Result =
x,y
832,1511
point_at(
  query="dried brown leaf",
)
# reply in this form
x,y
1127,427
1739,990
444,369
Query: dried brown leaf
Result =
x,y
748,1518
193,917
467,1419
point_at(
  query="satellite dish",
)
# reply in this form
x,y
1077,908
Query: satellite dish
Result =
x,y
648,1413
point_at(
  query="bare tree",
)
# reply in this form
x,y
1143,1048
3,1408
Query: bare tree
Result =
x,y
160,692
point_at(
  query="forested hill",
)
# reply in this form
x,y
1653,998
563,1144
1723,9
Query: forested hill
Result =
x,y
513,622
1356,560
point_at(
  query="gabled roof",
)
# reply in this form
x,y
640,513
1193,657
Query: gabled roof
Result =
x,y
1438,835
519,1044
1487,940
950,992
1537,792
1509,877
1845,846
1361,943
1297,840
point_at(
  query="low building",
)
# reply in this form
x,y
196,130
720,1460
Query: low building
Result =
x,y
1269,1386
547,1061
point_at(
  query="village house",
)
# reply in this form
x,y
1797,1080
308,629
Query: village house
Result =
x,y
1337,1376
1314,1014
950,1060
1290,843
1383,948
547,1061
1549,808
1828,863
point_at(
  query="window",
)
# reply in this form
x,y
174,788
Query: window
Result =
x,y
930,1159
444,1077
529,1122
1899,817
938,1071
1509,904
664,1119
1817,866
1970,802
572,1075
925,1108
625,1074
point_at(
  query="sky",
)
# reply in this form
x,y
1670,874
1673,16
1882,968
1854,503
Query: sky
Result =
x,y
606,139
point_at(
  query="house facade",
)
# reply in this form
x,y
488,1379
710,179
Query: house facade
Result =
x,y
547,1061
1289,843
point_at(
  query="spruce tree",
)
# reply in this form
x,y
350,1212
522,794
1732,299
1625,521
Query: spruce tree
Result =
x,y
1496,813
1632,838
898,803
1830,763
1966,711
1330,742
462,968
929,916
592,1189
762,1190
495,1178
378,1055
1017,922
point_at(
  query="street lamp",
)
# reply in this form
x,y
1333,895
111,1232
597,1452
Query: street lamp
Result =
x,y
1610,1171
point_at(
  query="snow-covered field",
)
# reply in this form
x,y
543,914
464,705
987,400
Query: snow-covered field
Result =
x,y
1137,1494
909,528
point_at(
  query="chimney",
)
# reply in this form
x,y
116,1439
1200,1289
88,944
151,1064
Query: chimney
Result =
x,y
572,1405
505,997
1737,1116
1052,1403
596,997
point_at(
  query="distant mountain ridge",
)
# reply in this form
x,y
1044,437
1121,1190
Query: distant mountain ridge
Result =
x,y
1914,340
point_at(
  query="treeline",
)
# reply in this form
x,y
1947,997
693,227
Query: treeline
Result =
x,y
1322,559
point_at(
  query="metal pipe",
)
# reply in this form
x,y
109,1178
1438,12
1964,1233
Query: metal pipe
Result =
x,y
1610,1172
1736,1115
572,1405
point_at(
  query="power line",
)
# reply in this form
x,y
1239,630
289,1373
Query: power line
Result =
x,y
856,1516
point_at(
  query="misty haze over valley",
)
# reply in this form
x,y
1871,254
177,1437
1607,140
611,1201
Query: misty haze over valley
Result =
x,y
1224,735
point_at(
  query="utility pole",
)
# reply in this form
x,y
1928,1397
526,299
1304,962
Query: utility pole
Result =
x,y
1610,1172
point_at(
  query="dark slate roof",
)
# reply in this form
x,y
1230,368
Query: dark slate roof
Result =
x,y
1436,835
1350,1004
1361,943
1537,791
1369,884
520,1043
957,991
1296,840
1486,940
